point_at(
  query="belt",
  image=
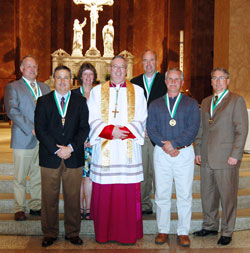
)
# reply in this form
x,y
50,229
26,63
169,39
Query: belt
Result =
x,y
183,147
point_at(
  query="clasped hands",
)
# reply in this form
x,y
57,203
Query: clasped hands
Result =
x,y
64,152
168,149
117,133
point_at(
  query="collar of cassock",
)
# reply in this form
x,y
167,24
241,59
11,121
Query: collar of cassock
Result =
x,y
123,85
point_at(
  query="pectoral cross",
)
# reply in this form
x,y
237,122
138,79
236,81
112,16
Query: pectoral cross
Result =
x,y
115,112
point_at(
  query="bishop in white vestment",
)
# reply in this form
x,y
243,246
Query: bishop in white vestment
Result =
x,y
117,117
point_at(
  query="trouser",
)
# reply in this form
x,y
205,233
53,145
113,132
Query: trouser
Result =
x,y
26,163
71,183
148,171
181,170
219,185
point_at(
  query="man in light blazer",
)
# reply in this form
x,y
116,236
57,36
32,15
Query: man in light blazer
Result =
x,y
20,102
153,84
219,149
61,124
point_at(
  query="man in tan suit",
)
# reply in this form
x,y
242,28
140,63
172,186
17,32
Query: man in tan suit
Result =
x,y
219,149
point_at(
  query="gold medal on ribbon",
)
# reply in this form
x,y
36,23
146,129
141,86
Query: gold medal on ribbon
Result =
x,y
210,121
172,122
63,121
62,111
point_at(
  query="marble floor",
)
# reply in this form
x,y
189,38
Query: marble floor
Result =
x,y
239,244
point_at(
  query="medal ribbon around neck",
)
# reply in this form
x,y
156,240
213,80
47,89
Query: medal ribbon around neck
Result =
x,y
32,91
149,87
82,90
64,111
177,101
219,99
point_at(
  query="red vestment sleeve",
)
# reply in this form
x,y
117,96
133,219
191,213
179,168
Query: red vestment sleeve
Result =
x,y
130,135
106,132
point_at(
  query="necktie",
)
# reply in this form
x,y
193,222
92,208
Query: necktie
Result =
x,y
33,85
215,99
62,102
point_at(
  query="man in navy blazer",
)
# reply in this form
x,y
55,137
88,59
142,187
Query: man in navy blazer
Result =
x,y
61,124
20,102
153,84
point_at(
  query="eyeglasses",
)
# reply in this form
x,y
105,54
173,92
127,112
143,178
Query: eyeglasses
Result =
x,y
115,67
221,78
173,80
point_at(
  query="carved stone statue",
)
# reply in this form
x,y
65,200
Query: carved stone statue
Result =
x,y
77,39
108,38
94,6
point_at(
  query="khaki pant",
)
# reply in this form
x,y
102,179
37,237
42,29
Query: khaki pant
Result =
x,y
26,163
148,171
71,183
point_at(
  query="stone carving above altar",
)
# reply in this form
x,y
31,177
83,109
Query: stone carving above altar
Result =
x,y
93,55
108,38
94,6
77,37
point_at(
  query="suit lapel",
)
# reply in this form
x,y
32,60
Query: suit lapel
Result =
x,y
143,86
27,91
221,105
206,109
154,86
41,88
70,109
54,107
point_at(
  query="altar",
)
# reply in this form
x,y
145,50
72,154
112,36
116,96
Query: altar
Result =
x,y
60,57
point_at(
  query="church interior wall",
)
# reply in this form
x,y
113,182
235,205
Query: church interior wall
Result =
x,y
32,27
231,43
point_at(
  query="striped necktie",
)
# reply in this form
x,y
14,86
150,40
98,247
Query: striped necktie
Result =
x,y
33,85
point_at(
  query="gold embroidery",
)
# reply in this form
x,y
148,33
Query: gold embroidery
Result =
x,y
131,115
105,117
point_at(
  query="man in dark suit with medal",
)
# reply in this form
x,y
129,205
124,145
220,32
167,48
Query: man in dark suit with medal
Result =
x,y
219,149
20,102
173,122
61,124
154,87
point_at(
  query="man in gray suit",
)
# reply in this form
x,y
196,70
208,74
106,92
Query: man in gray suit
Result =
x,y
20,102
219,149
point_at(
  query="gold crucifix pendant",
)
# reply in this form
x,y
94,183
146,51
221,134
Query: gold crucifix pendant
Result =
x,y
115,112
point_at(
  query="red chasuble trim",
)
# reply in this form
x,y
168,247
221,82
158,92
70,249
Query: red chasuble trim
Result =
x,y
129,136
106,133
114,85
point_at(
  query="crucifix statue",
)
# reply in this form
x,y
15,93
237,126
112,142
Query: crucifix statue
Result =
x,y
93,6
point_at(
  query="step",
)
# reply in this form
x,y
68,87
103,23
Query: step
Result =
x,y
6,180
32,226
8,168
6,201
